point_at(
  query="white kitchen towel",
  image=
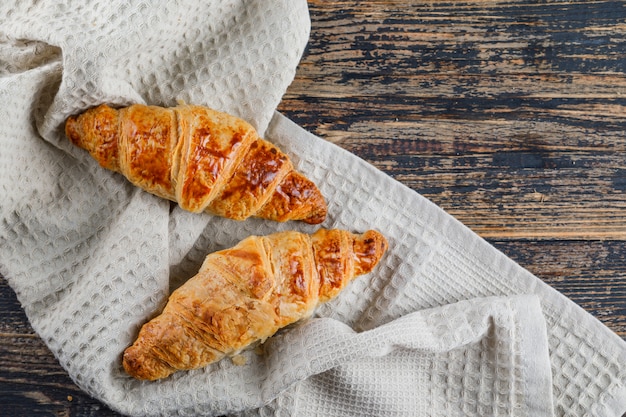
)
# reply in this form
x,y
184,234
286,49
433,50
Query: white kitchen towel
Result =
x,y
483,357
445,325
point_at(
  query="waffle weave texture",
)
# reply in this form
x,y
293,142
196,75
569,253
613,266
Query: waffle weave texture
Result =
x,y
445,326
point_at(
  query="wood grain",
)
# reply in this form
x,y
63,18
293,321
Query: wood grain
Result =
x,y
513,108
510,115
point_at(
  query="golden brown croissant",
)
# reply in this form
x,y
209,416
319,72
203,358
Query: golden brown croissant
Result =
x,y
201,158
248,292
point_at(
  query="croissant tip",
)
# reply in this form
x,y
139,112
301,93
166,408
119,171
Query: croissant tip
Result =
x,y
72,130
295,198
369,248
142,366
318,216
314,220
131,363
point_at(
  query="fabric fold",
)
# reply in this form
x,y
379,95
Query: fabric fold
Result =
x,y
485,356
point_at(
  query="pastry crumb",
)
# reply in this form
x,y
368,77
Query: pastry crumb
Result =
x,y
239,360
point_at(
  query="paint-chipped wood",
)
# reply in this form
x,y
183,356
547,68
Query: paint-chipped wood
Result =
x,y
510,115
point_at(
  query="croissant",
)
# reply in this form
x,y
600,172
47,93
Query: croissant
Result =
x,y
203,159
246,294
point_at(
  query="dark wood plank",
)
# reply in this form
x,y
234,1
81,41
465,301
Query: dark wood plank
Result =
x,y
589,272
509,115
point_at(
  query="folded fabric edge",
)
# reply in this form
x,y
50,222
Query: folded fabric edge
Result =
x,y
610,350
535,355
414,331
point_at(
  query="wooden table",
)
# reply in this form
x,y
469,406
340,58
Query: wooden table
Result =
x,y
510,115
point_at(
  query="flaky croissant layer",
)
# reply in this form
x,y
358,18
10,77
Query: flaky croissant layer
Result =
x,y
203,159
246,294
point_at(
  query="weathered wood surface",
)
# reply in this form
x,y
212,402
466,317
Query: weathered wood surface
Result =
x,y
510,115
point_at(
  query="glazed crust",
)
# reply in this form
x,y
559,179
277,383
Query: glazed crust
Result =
x,y
203,159
246,293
